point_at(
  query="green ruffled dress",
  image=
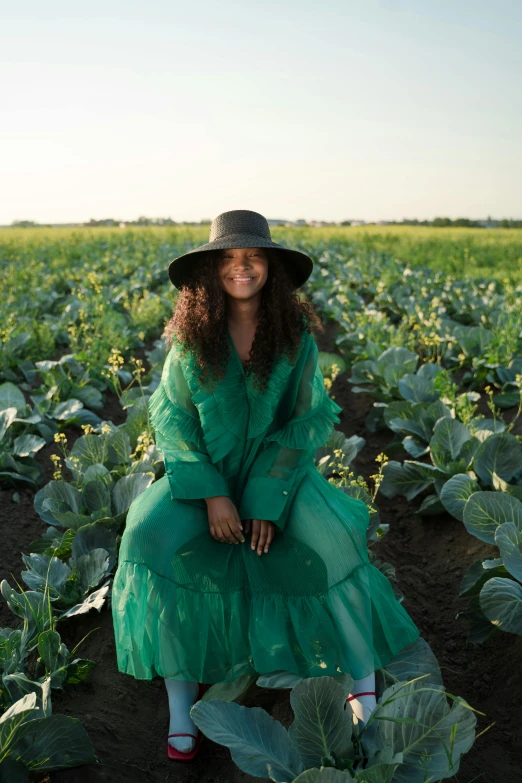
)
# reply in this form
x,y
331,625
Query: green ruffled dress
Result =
x,y
188,607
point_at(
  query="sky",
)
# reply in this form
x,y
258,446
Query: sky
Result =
x,y
332,110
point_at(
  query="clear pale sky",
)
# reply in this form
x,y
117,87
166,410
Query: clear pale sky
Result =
x,y
374,110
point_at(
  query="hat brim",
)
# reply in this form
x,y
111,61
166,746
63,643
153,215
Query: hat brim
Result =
x,y
298,265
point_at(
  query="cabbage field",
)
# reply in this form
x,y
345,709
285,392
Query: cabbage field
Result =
x,y
422,348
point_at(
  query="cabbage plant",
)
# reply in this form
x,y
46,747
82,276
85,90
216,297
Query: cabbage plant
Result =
x,y
413,734
493,585
33,660
106,478
484,455
32,739
490,355
380,377
19,442
508,381
328,455
400,390
69,378
77,552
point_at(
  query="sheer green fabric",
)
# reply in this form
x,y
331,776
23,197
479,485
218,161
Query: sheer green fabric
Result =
x,y
188,607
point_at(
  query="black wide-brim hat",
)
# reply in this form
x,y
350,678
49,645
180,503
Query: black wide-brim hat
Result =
x,y
241,228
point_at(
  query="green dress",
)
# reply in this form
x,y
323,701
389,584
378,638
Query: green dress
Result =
x,y
188,607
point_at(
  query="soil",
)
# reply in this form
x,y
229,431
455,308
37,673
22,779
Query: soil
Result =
x,y
127,719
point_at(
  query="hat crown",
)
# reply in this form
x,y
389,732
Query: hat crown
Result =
x,y
239,221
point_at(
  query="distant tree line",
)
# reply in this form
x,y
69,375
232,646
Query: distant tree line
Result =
x,y
439,222
445,222
141,221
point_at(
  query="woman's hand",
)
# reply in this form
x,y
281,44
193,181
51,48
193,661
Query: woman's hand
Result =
x,y
262,534
223,520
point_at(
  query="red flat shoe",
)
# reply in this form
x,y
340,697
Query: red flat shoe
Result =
x,y
178,755
362,693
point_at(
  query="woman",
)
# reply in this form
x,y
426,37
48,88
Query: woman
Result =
x,y
239,413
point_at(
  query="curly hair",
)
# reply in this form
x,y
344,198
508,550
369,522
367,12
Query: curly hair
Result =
x,y
199,320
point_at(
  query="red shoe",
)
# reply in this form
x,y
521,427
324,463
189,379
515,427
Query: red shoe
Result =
x,y
363,693
172,753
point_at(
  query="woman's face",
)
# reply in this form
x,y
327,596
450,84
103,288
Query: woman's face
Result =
x,y
243,271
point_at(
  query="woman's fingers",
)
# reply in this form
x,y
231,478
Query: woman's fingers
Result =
x,y
216,533
222,534
226,535
271,532
236,536
237,526
246,525
227,531
256,524
263,533
224,522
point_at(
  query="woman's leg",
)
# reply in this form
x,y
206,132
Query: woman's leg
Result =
x,y
363,706
182,695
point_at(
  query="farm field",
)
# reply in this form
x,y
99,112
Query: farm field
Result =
x,y
457,251
422,348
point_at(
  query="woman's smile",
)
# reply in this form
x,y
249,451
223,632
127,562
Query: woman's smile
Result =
x,y
243,279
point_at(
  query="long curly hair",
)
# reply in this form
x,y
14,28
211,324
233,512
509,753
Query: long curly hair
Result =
x,y
199,321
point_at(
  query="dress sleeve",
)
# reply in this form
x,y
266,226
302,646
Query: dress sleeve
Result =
x,y
288,452
179,436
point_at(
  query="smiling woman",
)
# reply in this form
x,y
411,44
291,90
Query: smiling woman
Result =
x,y
242,274
296,590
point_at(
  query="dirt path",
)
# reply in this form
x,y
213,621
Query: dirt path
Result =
x,y
127,719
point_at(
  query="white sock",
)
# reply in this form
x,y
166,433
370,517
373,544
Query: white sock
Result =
x,y
182,696
363,706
